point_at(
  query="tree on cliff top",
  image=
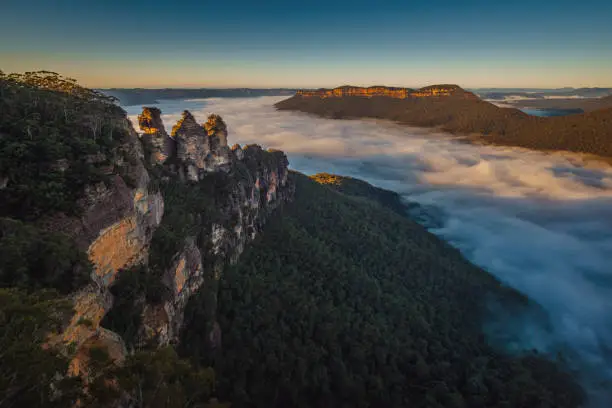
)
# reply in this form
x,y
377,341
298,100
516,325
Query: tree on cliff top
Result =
x,y
52,81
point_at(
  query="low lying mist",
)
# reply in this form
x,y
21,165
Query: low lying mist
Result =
x,y
542,223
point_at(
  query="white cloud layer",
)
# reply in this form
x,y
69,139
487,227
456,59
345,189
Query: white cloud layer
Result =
x,y
542,223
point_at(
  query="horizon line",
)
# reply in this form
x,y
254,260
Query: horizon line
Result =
x,y
339,86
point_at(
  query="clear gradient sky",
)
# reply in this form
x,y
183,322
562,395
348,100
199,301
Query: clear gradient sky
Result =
x,y
311,43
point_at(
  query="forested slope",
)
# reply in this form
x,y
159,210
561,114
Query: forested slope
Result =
x,y
344,303
589,132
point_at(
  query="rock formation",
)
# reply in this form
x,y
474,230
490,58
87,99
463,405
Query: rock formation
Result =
x,y
192,145
242,211
120,218
154,135
391,92
117,223
217,136
198,149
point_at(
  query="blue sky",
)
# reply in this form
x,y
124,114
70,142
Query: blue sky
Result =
x,y
314,43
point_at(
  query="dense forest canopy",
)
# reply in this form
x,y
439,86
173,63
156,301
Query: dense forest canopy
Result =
x,y
344,303
56,137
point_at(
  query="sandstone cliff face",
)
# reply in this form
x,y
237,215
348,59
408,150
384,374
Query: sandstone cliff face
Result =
x,y
242,210
116,226
391,92
120,217
154,135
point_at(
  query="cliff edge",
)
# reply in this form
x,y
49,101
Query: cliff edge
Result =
x,y
88,206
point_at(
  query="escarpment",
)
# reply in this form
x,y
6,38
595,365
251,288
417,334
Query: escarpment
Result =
x,y
391,92
217,200
92,204
116,226
451,109
154,135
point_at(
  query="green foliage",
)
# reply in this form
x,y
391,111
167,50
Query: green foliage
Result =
x,y
344,303
50,129
53,81
133,288
125,316
255,158
185,207
34,258
359,188
154,379
31,375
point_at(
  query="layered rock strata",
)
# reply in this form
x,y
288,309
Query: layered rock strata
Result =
x,y
391,92
120,217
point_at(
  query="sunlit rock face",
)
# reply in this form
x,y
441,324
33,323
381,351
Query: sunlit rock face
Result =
x,y
154,135
217,136
216,129
356,91
391,92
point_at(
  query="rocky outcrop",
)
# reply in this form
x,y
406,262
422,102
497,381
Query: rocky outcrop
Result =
x,y
255,184
117,223
217,136
192,145
198,149
154,135
120,216
391,92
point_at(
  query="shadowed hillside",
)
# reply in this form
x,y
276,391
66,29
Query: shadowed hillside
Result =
x,y
345,303
586,133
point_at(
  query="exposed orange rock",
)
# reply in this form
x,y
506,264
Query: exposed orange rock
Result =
x,y
154,135
180,277
117,246
90,306
391,92
104,339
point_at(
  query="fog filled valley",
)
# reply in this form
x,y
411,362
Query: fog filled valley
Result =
x,y
541,223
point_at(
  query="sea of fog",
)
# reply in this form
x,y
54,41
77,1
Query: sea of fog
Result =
x,y
542,223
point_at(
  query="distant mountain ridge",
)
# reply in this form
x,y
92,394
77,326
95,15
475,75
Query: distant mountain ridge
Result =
x,y
578,105
392,92
594,92
462,112
146,96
